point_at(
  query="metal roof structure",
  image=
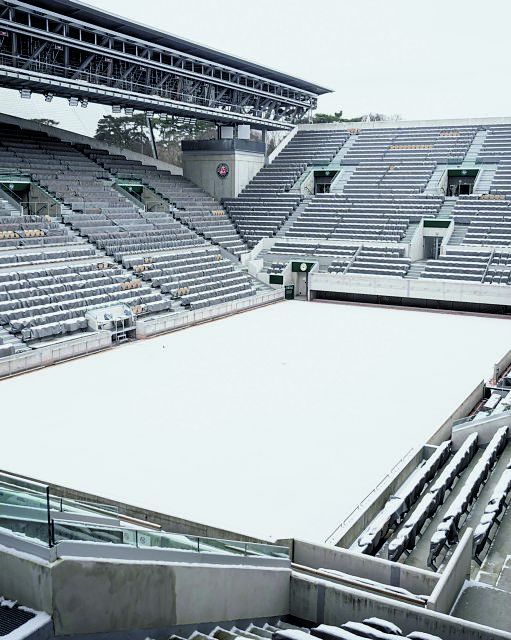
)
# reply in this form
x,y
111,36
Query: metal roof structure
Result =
x,y
69,49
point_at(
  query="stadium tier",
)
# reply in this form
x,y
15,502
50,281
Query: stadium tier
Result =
x,y
73,241
100,245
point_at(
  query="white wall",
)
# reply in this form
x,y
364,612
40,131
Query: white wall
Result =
x,y
429,289
200,168
418,581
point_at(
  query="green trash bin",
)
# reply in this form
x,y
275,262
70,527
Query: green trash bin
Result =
x,y
290,292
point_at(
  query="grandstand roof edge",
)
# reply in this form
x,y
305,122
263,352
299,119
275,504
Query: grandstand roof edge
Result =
x,y
88,13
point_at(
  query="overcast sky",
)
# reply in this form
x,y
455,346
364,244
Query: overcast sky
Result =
x,y
437,59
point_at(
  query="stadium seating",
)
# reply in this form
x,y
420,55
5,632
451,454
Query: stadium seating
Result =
x,y
197,279
424,144
432,500
53,301
447,530
497,144
192,205
401,502
490,267
53,269
267,201
493,510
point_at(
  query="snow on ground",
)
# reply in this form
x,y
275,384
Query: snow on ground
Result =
x,y
275,422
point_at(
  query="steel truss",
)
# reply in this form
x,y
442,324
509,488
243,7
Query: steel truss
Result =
x,y
50,53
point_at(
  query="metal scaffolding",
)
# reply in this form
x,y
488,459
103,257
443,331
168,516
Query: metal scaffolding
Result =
x,y
59,54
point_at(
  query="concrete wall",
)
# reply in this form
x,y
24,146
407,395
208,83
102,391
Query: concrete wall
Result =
x,y
404,124
418,581
453,577
99,596
173,321
416,251
54,353
412,288
484,427
76,138
26,578
500,367
122,596
444,432
321,602
200,167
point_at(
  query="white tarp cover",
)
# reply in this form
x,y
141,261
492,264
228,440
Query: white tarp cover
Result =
x,y
276,422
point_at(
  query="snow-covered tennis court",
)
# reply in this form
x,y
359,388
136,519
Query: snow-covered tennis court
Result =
x,y
275,422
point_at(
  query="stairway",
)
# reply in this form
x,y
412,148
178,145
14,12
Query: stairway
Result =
x,y
341,154
475,147
485,178
8,209
407,238
416,268
447,207
433,185
345,174
293,217
459,233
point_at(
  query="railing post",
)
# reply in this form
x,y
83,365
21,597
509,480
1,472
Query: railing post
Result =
x,y
49,517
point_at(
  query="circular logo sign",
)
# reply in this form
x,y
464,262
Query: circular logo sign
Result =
x,y
222,170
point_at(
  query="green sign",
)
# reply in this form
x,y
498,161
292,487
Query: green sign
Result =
x,y
437,224
302,267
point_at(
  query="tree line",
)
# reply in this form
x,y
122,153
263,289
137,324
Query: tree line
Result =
x,y
132,132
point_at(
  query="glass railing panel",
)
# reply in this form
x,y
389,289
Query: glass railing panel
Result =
x,y
271,550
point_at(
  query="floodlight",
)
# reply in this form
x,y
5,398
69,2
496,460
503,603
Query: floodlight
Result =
x,y
26,94
73,102
116,108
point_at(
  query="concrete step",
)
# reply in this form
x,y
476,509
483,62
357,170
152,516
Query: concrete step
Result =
x,y
340,182
433,185
407,238
293,217
459,233
416,268
345,148
485,178
475,147
447,207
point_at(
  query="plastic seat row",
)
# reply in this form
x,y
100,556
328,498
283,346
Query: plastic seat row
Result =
x,y
401,502
447,530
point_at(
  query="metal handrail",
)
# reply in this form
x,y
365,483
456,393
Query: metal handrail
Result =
x,y
358,584
364,501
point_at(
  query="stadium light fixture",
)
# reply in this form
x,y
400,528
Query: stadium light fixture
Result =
x,y
73,101
116,108
84,102
26,94
149,114
128,111
48,97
